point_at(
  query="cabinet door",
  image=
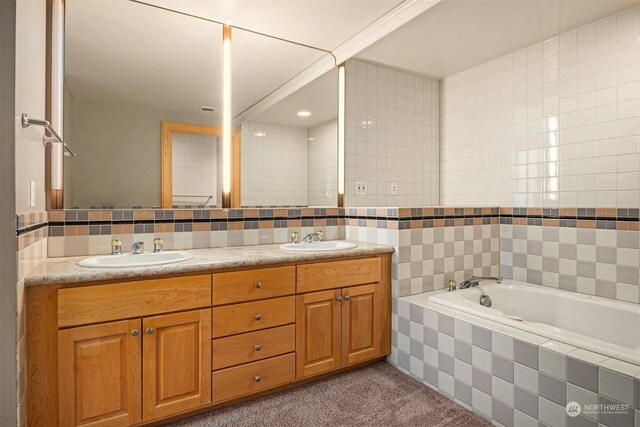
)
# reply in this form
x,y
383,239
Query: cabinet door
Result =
x,y
317,332
99,374
361,323
176,362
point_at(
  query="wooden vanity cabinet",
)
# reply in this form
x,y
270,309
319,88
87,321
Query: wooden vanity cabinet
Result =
x,y
342,326
100,374
142,351
122,373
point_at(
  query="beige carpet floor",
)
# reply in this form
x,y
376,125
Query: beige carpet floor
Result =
x,y
376,395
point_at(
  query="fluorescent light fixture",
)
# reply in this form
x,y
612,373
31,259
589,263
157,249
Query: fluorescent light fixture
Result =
x,y
226,111
341,129
304,113
259,134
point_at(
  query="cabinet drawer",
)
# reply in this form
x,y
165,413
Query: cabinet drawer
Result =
x,y
252,316
253,377
252,346
101,303
250,285
337,274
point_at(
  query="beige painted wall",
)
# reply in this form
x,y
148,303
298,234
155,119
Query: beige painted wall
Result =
x,y
30,89
118,148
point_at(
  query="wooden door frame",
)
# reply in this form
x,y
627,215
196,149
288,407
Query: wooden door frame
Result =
x,y
168,128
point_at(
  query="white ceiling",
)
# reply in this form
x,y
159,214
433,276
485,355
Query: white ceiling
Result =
x,y
123,53
324,24
319,97
455,35
120,52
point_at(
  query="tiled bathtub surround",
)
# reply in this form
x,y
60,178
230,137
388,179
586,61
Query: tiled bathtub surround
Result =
x,y
591,251
554,125
511,377
432,245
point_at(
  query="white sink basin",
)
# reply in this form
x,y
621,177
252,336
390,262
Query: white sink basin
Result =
x,y
138,260
327,246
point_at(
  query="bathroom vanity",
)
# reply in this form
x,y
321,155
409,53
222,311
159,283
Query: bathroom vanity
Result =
x,y
106,348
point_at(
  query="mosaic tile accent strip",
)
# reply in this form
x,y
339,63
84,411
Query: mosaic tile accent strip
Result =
x,y
31,227
601,218
511,378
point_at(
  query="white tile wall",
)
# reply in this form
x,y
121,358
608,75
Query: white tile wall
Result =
x,y
195,169
392,135
555,125
323,164
275,165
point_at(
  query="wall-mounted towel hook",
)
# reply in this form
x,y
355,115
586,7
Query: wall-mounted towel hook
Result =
x,y
57,139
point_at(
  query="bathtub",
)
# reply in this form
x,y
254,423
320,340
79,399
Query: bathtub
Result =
x,y
601,325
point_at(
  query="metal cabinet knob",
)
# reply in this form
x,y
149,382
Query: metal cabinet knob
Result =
x,y
257,347
149,330
135,332
258,285
339,298
347,298
258,378
257,317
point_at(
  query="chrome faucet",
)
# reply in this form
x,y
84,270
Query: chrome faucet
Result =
x,y
317,236
137,248
475,281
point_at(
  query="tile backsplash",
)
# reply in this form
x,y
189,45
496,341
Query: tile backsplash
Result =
x,y
556,124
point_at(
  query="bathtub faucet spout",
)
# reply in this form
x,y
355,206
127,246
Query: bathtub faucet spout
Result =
x,y
475,281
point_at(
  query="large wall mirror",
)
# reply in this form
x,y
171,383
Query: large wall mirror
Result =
x,y
143,111
290,151
129,68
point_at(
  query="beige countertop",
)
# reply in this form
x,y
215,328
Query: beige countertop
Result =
x,y
54,271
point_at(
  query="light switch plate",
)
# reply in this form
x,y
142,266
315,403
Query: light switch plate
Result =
x,y
32,193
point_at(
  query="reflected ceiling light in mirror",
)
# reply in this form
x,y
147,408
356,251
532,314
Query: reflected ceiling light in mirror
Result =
x,y
341,130
259,134
226,117
304,113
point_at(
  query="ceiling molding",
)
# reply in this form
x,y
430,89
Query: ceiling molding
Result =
x,y
393,20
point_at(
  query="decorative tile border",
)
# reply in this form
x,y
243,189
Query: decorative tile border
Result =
x,y
125,221
601,218
31,227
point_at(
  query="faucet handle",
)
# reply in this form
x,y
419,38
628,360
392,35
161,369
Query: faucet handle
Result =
x,y
116,247
157,244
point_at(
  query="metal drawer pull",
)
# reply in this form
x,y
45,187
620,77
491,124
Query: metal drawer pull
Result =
x,y
347,298
135,332
257,347
258,285
339,298
149,330
258,378
257,317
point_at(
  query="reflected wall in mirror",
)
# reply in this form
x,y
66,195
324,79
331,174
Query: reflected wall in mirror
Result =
x,y
128,68
290,151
